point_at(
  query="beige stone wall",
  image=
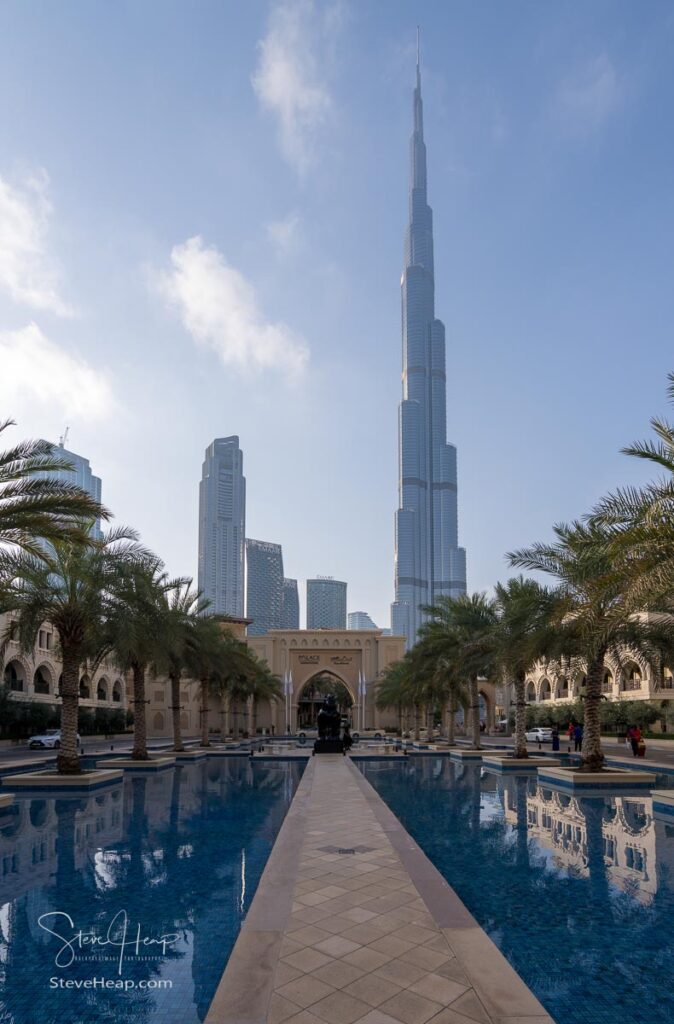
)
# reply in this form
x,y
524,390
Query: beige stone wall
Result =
x,y
40,669
630,677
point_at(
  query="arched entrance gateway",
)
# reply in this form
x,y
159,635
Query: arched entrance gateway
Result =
x,y
345,662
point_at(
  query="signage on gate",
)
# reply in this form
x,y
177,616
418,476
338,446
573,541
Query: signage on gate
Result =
x,y
309,659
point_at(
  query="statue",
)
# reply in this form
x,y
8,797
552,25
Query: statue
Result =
x,y
329,728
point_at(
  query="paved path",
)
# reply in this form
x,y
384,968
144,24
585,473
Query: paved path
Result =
x,y
351,924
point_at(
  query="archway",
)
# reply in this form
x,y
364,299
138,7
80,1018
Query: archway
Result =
x,y
531,692
632,676
117,692
42,680
15,676
313,694
546,690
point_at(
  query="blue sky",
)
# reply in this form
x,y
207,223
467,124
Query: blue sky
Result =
x,y
202,208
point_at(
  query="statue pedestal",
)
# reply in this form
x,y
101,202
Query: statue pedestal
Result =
x,y
328,747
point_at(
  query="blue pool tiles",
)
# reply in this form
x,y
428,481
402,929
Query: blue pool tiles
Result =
x,y
177,856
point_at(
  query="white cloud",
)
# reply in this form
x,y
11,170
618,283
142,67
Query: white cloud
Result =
x,y
35,370
27,274
586,98
219,308
291,76
285,235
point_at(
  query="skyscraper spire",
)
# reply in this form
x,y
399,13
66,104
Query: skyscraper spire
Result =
x,y
428,561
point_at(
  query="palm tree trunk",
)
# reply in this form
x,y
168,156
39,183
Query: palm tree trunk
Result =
x,y
451,719
67,759
139,752
520,718
417,722
175,712
254,717
430,718
205,742
475,713
592,756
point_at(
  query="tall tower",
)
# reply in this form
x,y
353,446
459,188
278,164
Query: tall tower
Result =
x,y
222,527
326,603
264,586
80,475
428,560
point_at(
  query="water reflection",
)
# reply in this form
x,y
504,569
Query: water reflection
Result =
x,y
181,851
576,892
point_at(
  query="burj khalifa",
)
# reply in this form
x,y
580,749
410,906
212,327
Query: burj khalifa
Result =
x,y
428,561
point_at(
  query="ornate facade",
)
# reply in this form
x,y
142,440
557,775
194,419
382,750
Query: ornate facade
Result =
x,y
35,676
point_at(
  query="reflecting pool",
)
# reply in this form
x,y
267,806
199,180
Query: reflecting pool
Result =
x,y
167,863
578,893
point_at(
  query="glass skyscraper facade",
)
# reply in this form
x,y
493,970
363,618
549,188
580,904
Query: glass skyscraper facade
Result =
x,y
222,527
360,620
428,561
264,586
326,603
80,475
290,610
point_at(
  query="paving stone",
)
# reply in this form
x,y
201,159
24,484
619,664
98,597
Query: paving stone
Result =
x,y
305,991
340,1008
411,1008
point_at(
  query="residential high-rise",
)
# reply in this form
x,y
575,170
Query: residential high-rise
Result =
x,y
222,526
428,561
80,475
264,586
290,610
326,603
360,620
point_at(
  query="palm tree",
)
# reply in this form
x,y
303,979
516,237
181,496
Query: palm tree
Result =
x,y
36,508
524,631
264,685
72,585
594,614
640,520
394,689
459,631
218,661
182,611
136,631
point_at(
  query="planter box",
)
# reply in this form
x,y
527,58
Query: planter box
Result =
x,y
464,754
155,764
503,763
608,778
69,783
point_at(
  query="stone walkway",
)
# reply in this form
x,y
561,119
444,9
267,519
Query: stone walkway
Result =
x,y
351,924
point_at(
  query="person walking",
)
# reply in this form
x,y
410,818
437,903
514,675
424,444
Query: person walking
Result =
x,y
635,739
570,731
555,738
578,737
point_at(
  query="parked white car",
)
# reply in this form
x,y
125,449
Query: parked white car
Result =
x,y
541,734
48,740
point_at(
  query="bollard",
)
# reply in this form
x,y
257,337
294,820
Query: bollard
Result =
x,y
540,745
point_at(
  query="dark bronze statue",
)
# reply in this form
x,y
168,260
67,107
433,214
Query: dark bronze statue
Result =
x,y
329,720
